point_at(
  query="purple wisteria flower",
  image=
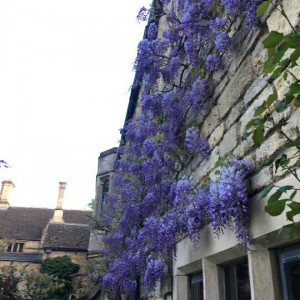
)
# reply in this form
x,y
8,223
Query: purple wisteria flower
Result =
x,y
223,41
213,62
152,31
154,271
195,144
143,14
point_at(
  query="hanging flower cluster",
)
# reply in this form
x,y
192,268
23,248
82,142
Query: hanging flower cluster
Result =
x,y
153,205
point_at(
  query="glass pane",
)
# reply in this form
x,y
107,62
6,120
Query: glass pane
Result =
x,y
292,274
243,281
289,261
21,245
197,287
237,283
9,248
15,248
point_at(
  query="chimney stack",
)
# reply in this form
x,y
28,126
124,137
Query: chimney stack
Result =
x,y
58,212
6,187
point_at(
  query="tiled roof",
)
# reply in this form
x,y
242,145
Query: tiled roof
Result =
x,y
72,237
27,223
22,257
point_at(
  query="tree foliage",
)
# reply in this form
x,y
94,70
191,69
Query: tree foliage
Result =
x,y
63,268
28,285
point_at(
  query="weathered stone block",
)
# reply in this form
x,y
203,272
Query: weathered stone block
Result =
x,y
277,22
292,129
249,114
259,56
256,87
234,114
207,165
211,122
235,89
216,136
273,143
243,147
261,179
229,141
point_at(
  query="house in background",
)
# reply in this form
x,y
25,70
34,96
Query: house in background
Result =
x,y
29,235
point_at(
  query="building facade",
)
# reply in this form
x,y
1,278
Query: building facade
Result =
x,y
268,268
30,235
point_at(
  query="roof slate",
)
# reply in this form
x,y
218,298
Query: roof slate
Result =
x,y
61,236
27,223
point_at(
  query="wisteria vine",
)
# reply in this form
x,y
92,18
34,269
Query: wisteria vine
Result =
x,y
153,204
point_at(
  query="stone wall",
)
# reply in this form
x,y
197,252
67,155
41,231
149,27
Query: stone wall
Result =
x,y
239,91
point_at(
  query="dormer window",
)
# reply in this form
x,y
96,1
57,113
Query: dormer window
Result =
x,y
15,247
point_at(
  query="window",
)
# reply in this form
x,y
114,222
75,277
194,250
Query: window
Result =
x,y
196,286
16,247
105,190
289,262
236,279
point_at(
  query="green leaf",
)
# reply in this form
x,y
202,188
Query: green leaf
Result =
x,y
264,192
271,99
291,229
260,109
285,75
276,73
261,9
294,88
254,122
293,39
273,39
286,188
269,66
290,216
275,197
282,106
282,161
295,206
297,101
295,55
267,162
279,52
258,135
293,195
293,143
275,208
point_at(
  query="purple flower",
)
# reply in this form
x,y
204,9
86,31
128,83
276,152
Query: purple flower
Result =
x,y
143,14
223,41
154,272
152,31
213,62
195,144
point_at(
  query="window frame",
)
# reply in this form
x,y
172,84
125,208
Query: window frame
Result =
x,y
286,255
17,247
231,290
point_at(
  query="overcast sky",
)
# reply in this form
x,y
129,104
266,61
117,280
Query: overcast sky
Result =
x,y
65,74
